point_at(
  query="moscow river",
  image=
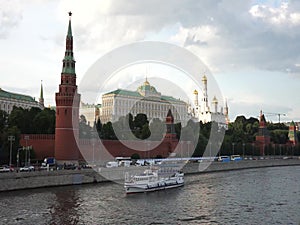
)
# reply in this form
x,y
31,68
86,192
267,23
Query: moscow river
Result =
x,y
254,196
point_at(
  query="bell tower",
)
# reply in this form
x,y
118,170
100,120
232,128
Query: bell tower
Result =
x,y
67,107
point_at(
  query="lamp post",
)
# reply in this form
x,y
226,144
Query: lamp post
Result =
x,y
233,148
252,149
209,150
243,150
189,156
29,148
279,150
93,143
11,139
26,138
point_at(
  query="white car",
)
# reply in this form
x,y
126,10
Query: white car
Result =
x,y
27,169
4,169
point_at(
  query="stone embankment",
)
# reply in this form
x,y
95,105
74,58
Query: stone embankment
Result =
x,y
26,180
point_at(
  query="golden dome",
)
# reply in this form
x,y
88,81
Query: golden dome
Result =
x,y
195,92
146,83
204,78
215,100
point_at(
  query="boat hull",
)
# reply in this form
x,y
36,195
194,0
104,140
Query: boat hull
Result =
x,y
136,188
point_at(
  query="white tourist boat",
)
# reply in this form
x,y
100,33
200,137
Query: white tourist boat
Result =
x,y
153,179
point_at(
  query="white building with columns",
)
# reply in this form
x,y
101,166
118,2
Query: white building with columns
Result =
x,y
147,100
9,99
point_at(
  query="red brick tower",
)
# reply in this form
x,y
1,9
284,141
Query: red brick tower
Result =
x,y
170,133
263,136
293,134
67,107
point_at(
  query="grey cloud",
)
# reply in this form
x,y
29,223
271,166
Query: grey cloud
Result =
x,y
242,40
10,17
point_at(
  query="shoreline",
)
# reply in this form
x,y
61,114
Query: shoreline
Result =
x,y
43,179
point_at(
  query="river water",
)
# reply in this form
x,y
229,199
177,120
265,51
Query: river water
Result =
x,y
254,196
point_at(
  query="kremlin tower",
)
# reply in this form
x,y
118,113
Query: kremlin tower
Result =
x,y
67,107
263,136
170,133
293,134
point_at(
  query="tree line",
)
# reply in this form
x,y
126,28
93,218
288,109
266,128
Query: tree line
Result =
x,y
23,121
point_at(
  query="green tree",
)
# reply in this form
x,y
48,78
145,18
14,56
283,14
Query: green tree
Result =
x,y
157,129
84,128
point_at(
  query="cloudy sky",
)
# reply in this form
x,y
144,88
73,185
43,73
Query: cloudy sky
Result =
x,y
251,48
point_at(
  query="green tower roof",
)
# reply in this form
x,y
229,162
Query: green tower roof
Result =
x,y
68,61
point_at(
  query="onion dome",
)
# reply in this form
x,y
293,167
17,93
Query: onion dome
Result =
x,y
215,100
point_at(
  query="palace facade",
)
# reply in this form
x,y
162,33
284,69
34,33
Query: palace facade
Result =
x,y
147,100
9,99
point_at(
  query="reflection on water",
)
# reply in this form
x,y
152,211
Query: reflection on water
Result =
x,y
257,196
64,207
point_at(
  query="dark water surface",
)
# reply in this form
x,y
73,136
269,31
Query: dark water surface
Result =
x,y
254,196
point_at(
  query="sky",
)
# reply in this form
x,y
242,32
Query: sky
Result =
x,y
250,47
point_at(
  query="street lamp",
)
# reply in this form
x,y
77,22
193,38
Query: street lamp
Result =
x,y
243,150
26,138
29,148
233,148
209,150
280,150
18,157
11,139
93,143
189,156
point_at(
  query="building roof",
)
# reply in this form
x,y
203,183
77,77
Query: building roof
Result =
x,y
20,97
137,94
124,93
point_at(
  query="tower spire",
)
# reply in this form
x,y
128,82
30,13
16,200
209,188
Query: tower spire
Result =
x,y
70,27
68,61
41,99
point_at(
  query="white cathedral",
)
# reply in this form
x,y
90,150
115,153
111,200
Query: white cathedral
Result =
x,y
202,111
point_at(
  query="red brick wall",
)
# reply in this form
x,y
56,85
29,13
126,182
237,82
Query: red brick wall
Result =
x,y
109,149
42,144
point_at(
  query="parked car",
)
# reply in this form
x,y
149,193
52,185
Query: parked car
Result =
x,y
70,167
27,169
4,169
235,158
224,158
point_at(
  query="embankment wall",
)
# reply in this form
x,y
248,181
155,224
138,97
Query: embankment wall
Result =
x,y
27,180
